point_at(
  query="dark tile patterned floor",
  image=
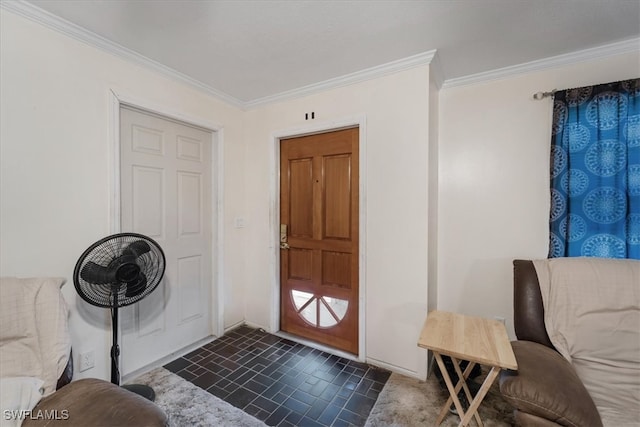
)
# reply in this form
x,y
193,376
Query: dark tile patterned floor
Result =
x,y
281,382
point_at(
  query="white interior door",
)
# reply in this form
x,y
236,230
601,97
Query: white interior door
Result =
x,y
166,194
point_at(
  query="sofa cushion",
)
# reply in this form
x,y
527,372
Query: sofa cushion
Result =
x,y
545,385
592,316
34,338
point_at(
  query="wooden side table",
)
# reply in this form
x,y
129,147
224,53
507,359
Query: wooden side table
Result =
x,y
474,339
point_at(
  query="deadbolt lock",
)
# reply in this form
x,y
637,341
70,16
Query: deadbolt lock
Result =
x,y
283,237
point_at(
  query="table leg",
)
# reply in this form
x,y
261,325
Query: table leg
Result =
x,y
453,391
465,387
486,385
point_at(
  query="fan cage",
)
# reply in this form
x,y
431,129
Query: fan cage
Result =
x,y
103,252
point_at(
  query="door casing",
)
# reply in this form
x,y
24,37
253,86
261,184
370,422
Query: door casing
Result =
x,y
117,100
358,121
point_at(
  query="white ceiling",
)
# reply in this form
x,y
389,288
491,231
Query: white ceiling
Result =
x,y
254,49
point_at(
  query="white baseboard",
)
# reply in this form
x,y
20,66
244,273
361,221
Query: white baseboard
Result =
x,y
168,358
256,326
234,325
394,368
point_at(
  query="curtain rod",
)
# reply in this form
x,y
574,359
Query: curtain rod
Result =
x,y
542,95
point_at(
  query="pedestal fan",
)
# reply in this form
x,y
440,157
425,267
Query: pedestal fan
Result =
x,y
117,271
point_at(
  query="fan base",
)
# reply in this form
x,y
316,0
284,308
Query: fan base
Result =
x,y
141,390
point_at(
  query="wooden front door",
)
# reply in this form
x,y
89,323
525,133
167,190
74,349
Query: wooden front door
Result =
x,y
319,238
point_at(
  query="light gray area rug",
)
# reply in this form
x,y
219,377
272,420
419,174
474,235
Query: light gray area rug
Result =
x,y
407,402
187,404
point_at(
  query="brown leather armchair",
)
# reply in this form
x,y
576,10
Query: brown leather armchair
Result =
x,y
545,390
95,402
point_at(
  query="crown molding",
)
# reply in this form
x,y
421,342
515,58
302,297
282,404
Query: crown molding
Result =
x,y
49,20
424,58
599,52
34,13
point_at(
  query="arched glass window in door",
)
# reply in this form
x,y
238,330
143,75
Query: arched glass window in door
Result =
x,y
319,311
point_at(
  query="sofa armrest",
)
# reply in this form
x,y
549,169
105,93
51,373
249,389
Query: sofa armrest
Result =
x,y
546,385
528,309
94,402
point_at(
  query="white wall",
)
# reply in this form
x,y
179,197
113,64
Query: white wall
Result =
x,y
432,232
396,166
55,168
494,177
492,199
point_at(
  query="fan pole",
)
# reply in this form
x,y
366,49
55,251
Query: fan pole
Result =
x,y
115,349
139,389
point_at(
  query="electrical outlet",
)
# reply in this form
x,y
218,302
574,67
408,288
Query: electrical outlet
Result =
x,y
87,360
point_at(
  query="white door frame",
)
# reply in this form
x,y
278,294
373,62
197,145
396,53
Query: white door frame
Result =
x,y
118,99
359,121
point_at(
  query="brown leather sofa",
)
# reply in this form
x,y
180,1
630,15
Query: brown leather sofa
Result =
x,y
545,391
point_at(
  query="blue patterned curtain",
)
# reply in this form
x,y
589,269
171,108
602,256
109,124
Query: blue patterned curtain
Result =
x,y
595,171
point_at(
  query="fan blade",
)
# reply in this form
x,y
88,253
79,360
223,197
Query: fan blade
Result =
x,y
96,274
137,287
137,248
